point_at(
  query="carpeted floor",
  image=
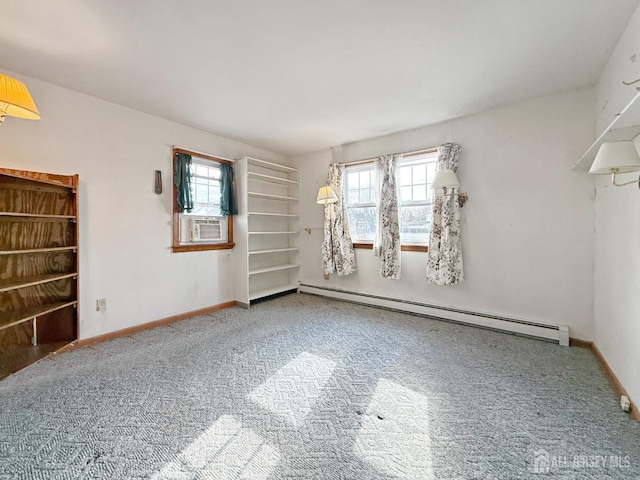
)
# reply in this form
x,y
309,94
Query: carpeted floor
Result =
x,y
304,387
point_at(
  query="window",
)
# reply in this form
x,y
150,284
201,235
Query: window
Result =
x,y
414,174
203,228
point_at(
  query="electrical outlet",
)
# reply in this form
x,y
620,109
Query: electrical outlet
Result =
x,y
101,305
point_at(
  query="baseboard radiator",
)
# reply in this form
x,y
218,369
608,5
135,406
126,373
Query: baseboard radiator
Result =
x,y
552,333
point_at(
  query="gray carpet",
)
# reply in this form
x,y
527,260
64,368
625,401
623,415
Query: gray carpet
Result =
x,y
304,387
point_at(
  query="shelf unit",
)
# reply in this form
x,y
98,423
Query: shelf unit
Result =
x,y
38,266
267,229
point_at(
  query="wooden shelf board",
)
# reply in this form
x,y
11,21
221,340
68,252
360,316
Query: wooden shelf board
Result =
x,y
291,232
28,313
37,250
267,214
31,281
36,215
11,362
275,250
272,291
273,268
269,196
271,179
270,165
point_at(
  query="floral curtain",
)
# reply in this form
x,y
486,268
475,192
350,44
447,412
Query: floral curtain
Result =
x,y
337,249
387,240
444,259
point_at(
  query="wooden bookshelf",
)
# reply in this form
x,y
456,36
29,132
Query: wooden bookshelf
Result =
x,y
38,266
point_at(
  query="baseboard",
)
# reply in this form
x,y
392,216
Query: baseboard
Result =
x,y
146,326
555,333
614,381
576,342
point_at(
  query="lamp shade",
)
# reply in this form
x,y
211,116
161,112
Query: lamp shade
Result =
x,y
622,156
445,178
15,99
326,195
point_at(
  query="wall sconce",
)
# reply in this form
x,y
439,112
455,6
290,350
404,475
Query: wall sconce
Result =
x,y
15,100
616,157
326,195
446,178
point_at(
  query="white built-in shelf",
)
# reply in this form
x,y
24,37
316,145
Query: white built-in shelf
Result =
x,y
269,196
38,250
290,232
29,313
273,268
274,250
272,291
36,215
270,165
625,126
268,214
32,281
271,179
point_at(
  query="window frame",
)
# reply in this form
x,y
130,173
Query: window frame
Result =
x,y
405,247
178,247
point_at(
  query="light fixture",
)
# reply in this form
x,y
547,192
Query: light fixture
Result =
x,y
616,157
326,195
445,178
15,100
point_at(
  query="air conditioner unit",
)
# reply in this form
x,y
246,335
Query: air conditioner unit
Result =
x,y
206,229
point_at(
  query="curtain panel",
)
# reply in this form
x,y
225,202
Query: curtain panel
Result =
x,y
444,258
182,181
338,254
228,205
387,240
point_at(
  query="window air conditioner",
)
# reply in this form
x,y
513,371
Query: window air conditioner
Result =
x,y
206,230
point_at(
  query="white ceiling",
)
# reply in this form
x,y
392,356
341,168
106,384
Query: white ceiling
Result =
x,y
296,76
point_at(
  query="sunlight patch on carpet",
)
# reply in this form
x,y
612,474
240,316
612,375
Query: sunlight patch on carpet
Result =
x,y
394,437
292,391
226,450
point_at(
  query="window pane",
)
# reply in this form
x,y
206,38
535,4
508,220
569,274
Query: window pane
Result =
x,y
365,195
419,192
352,180
405,194
201,195
419,173
365,179
362,223
352,197
414,224
405,176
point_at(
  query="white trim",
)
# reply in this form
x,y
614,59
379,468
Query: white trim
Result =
x,y
556,333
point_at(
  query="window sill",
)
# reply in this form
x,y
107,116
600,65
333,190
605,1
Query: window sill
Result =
x,y
404,248
200,248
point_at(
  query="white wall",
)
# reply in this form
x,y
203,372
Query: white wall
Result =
x,y
528,234
125,228
617,249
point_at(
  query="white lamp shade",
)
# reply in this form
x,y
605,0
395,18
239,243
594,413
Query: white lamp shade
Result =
x,y
326,195
622,156
445,178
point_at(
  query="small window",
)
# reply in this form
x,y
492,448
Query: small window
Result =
x,y
203,228
414,175
361,202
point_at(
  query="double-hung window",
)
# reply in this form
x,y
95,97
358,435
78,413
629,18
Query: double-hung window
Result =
x,y
202,228
414,174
